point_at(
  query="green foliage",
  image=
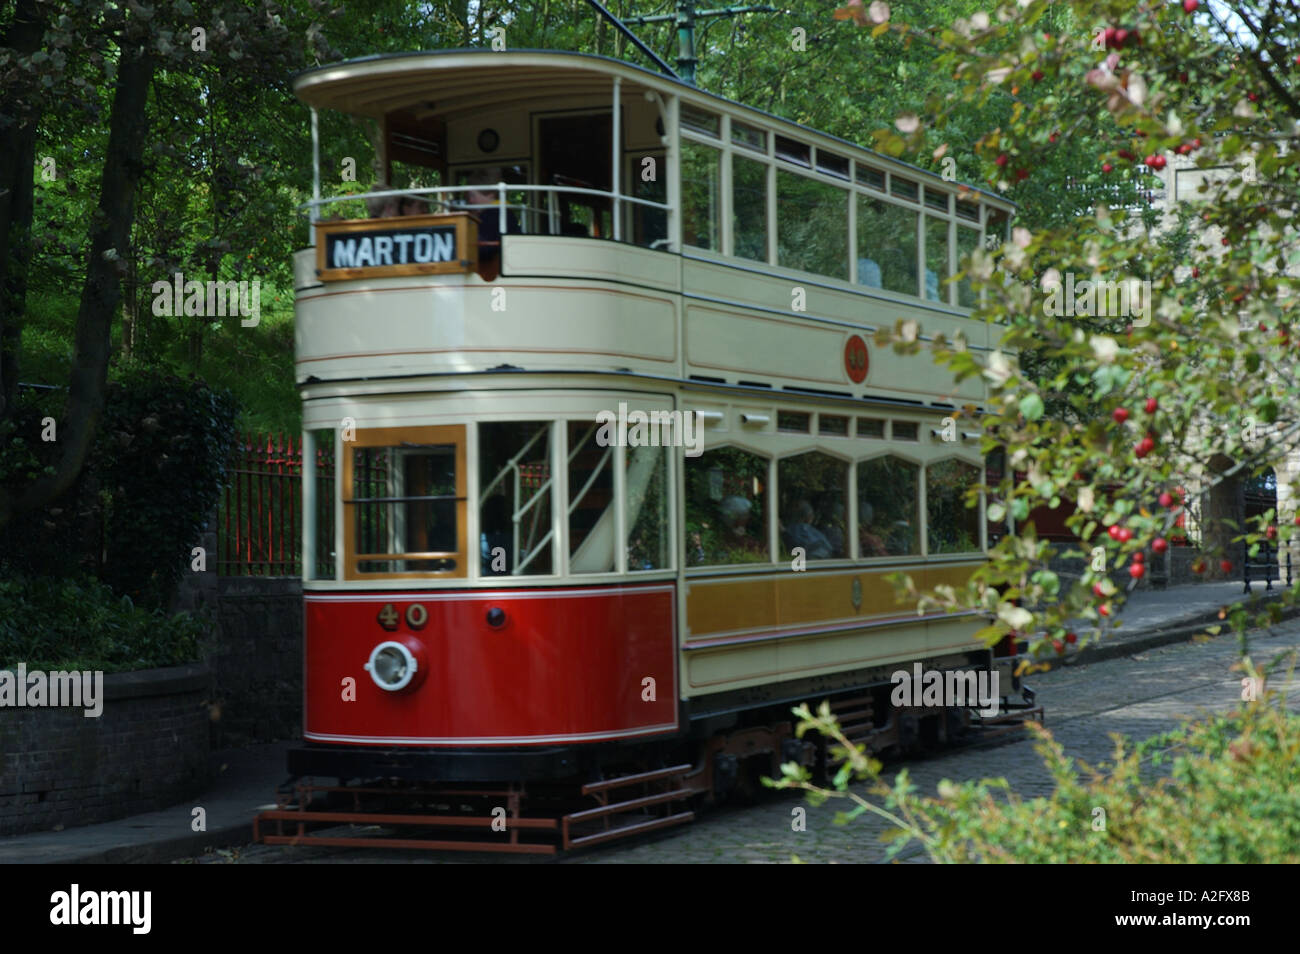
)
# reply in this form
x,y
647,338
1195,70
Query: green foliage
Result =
x,y
1228,797
161,456
80,624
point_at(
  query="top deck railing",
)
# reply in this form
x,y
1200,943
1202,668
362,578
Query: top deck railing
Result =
x,y
527,220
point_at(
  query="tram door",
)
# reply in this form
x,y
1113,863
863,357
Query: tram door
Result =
x,y
575,151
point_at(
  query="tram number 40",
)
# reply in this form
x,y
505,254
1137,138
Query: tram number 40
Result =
x,y
416,616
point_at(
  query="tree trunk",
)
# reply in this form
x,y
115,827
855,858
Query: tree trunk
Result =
x,y
110,240
17,159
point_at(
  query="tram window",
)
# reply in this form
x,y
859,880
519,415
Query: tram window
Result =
x,y
811,225
726,508
871,427
906,431
749,208
967,209
700,121
832,164
646,519
322,567
936,258
793,151
404,509
516,534
888,489
701,208
936,199
995,228
872,178
814,490
649,226
793,422
748,136
951,526
591,500
968,240
903,188
833,425
886,246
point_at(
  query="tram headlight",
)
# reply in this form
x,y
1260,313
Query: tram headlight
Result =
x,y
392,666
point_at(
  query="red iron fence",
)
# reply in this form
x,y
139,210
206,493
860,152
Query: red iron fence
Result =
x,y
259,522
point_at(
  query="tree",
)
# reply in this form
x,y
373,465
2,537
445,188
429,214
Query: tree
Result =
x,y
1198,388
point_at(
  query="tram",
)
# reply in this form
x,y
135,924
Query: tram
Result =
x,y
610,476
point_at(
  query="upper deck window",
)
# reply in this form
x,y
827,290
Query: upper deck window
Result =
x,y
968,239
995,228
968,208
812,225
749,208
832,165
697,120
887,246
903,188
701,210
792,151
936,258
936,199
748,136
871,178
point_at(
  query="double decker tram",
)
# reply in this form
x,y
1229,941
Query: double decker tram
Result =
x,y
610,477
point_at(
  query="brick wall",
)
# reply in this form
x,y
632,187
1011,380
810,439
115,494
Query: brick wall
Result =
x,y
147,750
256,659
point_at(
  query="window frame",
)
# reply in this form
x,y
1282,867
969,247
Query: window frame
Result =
x,y
395,437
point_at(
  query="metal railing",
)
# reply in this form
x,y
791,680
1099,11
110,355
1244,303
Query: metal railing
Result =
x,y
503,207
1268,561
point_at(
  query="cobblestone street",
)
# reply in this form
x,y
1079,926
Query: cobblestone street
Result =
x,y
1138,695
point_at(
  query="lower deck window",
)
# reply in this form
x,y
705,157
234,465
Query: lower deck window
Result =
x,y
516,529
405,506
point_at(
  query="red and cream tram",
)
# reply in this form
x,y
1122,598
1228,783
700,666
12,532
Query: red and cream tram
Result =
x,y
616,478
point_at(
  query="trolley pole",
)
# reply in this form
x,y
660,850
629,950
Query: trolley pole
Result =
x,y
685,18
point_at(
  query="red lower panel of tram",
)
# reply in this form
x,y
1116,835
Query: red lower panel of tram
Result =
x,y
517,667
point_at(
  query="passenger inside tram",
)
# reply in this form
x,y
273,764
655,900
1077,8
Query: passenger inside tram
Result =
x,y
798,531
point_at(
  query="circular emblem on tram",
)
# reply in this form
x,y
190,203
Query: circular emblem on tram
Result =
x,y
856,360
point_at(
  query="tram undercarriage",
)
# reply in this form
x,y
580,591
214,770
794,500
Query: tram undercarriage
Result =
x,y
573,797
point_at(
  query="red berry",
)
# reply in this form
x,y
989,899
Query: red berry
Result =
x,y
1271,532
1224,240
1124,535
1189,6
1113,530
1106,167
1139,557
1182,77
1198,566
1159,545
1121,36
1144,447
1196,143
1001,160
1104,609
1098,592
1071,638
1166,499
1137,570
1120,414
1297,521
1151,405
1253,97
1109,37
1038,74
1058,646
1196,272
1225,566
1157,162
1022,175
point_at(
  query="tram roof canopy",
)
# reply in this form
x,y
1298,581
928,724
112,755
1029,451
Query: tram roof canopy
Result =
x,y
454,83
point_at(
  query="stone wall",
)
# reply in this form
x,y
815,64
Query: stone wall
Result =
x,y
147,749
